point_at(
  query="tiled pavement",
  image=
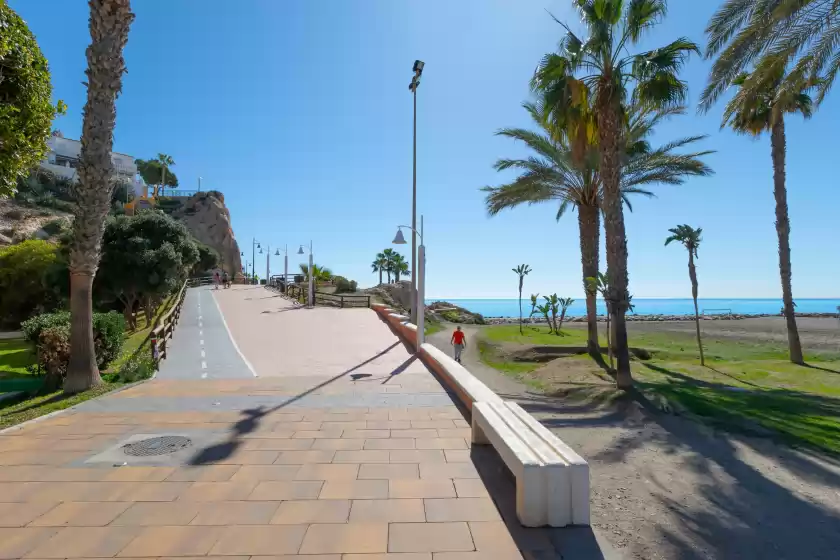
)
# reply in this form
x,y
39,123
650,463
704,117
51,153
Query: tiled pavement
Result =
x,y
302,467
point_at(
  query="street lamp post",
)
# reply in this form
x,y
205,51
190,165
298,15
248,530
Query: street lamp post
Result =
x,y
420,302
254,245
311,290
285,264
199,184
415,83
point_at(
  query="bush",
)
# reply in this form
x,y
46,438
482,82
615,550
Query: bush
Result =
x,y
22,271
137,368
54,355
108,329
343,285
54,227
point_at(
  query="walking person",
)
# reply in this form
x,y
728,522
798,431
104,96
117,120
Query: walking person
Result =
x,y
216,279
459,341
226,280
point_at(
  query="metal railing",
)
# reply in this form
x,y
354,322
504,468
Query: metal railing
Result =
x,y
166,327
722,311
177,193
342,300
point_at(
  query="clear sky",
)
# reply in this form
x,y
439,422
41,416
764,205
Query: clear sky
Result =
x,y
299,111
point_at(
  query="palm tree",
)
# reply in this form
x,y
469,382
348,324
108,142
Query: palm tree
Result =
x,y
649,78
522,270
691,238
109,23
389,257
545,309
757,108
533,306
565,170
165,162
565,303
600,283
379,265
318,272
764,35
399,266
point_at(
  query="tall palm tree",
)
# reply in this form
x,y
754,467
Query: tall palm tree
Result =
x,y
109,23
691,239
388,255
399,266
762,35
612,77
761,107
165,162
564,170
379,265
522,270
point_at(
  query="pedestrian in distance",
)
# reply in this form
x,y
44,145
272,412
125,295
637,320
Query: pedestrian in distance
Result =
x,y
459,341
226,280
216,280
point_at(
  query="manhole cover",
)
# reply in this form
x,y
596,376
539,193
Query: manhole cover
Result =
x,y
157,446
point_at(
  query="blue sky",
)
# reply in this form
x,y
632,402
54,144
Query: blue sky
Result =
x,y
299,112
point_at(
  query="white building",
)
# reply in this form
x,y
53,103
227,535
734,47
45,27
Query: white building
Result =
x,y
63,160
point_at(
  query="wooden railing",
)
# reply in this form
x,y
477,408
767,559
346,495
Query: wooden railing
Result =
x,y
165,326
297,293
341,300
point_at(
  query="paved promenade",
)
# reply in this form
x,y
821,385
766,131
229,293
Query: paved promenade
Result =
x,y
348,454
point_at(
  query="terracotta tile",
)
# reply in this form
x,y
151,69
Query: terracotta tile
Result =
x,y
345,538
338,444
421,489
461,423
298,426
431,471
85,542
286,490
22,491
245,457
470,488
429,537
414,433
82,514
19,514
433,424
260,473
377,471
461,509
388,424
493,536
172,541
441,443
366,434
340,426
153,491
317,434
23,474
366,456
158,513
354,490
218,491
387,511
457,455
299,444
455,433
15,543
235,513
328,471
285,557
301,512
417,456
260,540
208,473
302,457
392,443
484,555
390,556
138,474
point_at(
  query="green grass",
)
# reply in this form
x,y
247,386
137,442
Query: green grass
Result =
x,y
12,413
15,355
745,385
138,338
432,328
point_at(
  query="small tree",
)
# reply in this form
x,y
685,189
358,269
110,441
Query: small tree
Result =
x,y
545,309
155,173
691,238
553,303
26,110
533,305
208,259
22,271
522,270
564,303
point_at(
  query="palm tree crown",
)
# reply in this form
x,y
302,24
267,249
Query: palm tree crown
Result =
x,y
755,107
688,236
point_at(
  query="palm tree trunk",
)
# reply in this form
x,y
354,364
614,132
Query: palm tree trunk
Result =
x,y
589,223
778,145
608,134
520,305
109,23
692,274
380,276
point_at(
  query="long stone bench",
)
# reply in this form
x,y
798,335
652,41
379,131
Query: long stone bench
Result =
x,y
468,388
552,481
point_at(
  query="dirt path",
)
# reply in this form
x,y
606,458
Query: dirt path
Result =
x,y
667,488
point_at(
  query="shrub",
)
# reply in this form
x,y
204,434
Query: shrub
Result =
x,y
54,355
108,329
54,227
343,285
22,270
137,368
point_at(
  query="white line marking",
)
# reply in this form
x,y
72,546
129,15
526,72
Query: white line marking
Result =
x,y
201,342
203,364
202,354
199,317
204,376
230,335
200,332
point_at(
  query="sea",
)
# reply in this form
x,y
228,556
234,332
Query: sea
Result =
x,y
652,306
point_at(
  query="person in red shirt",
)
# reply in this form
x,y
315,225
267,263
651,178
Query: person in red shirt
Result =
x,y
459,341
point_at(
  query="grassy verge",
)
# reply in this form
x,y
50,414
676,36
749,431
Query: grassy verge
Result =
x,y
16,355
12,413
745,385
138,339
432,327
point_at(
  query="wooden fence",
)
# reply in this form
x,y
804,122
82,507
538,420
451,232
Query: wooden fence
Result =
x,y
341,300
165,327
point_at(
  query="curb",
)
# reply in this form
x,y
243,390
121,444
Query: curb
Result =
x,y
68,409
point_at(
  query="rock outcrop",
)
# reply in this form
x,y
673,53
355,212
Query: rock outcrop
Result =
x,y
208,219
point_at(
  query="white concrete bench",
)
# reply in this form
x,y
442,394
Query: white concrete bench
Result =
x,y
552,481
468,388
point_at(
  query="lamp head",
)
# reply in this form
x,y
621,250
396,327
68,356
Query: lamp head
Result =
x,y
300,251
258,246
277,253
260,250
399,239
418,67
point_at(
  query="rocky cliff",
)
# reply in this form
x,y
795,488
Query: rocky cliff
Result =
x,y
208,219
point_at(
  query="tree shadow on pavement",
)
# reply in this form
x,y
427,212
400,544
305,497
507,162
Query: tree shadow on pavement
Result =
x,y
252,417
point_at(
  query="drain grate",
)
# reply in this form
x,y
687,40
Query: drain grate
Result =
x,y
163,445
